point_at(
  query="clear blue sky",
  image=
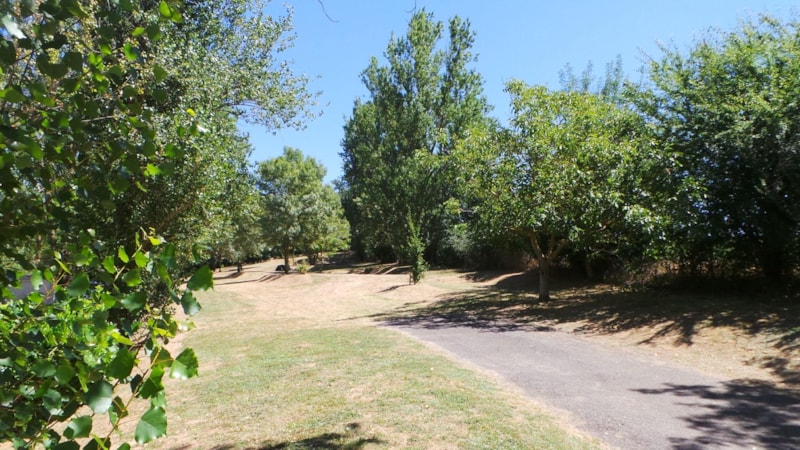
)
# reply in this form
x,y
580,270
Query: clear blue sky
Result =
x,y
523,39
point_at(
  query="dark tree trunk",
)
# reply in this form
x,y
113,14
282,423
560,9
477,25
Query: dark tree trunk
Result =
x,y
286,249
544,258
544,279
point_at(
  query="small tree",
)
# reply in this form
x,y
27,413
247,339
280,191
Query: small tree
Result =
x,y
300,212
572,171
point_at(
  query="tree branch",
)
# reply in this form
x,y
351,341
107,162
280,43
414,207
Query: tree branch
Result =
x,y
324,11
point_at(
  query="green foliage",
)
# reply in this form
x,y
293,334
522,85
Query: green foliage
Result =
x,y
728,106
117,153
397,143
301,213
572,171
303,268
72,346
414,251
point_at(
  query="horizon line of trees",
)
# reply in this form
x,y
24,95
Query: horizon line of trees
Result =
x,y
697,165
122,168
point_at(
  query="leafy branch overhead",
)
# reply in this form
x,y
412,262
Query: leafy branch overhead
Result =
x,y
114,154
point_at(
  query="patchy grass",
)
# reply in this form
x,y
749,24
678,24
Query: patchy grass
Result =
x,y
296,361
333,383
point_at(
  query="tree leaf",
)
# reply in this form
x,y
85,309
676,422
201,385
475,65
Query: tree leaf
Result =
x,y
134,301
67,445
36,279
79,428
108,264
12,27
99,396
202,279
151,426
167,256
74,60
132,278
185,365
123,255
79,285
153,384
44,369
131,52
8,53
122,364
52,401
160,73
190,304
64,374
12,95
141,259
164,9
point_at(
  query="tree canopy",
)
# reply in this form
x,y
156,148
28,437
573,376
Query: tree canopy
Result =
x,y
397,142
729,107
301,213
572,171
116,153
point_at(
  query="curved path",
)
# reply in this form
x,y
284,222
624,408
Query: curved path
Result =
x,y
626,399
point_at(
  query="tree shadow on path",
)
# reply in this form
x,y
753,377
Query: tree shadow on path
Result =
x,y
736,414
511,304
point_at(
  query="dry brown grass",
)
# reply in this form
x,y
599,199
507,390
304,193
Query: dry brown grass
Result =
x,y
296,361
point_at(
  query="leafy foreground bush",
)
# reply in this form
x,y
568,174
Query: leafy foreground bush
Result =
x,y
84,344
78,91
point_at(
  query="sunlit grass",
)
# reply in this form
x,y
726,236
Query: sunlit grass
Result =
x,y
341,387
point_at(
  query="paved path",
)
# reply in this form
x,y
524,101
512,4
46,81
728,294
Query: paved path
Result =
x,y
624,398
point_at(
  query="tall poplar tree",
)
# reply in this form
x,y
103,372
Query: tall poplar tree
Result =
x,y
397,143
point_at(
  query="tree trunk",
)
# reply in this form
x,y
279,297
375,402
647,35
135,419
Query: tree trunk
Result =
x,y
544,279
589,269
286,267
543,259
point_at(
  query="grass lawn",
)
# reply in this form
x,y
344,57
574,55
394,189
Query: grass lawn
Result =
x,y
301,361
293,363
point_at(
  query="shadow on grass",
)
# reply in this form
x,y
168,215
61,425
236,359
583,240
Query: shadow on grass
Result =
x,y
737,413
511,304
231,274
325,441
264,279
361,268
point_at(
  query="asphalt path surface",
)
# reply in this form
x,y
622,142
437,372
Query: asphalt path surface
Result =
x,y
624,398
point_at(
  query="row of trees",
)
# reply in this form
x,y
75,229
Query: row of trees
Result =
x,y
121,167
698,165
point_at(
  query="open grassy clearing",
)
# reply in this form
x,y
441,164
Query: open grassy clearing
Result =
x,y
295,362
298,362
